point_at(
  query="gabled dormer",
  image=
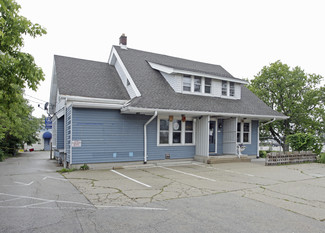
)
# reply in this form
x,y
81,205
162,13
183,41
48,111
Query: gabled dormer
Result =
x,y
200,83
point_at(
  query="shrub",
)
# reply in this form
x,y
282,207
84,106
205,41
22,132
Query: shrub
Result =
x,y
305,142
262,153
322,158
84,167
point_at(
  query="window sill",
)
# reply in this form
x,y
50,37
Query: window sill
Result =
x,y
165,145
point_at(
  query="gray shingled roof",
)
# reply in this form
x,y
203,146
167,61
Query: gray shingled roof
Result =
x,y
156,93
78,77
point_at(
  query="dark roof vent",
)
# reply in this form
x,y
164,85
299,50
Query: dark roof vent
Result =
x,y
123,40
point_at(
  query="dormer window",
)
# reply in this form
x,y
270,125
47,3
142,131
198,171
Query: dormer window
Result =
x,y
196,84
187,81
207,86
228,88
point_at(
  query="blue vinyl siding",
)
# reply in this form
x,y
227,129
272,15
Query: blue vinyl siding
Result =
x,y
158,152
108,136
251,149
220,137
60,133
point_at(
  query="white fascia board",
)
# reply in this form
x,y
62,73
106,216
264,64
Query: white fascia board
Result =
x,y
114,55
92,100
53,90
95,105
199,113
170,70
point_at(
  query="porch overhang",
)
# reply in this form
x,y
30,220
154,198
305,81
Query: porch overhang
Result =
x,y
150,111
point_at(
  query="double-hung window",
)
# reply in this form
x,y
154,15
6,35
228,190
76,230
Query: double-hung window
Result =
x,y
207,85
243,132
176,132
187,82
224,88
163,131
197,84
228,88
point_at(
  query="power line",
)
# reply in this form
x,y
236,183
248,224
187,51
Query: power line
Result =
x,y
35,98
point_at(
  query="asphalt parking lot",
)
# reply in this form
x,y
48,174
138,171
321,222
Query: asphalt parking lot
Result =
x,y
296,188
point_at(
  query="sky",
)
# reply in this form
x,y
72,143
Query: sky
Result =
x,y
241,36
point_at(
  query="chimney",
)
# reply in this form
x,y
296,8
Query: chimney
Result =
x,y
123,41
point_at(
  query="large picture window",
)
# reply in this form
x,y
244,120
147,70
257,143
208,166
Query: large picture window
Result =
x,y
176,132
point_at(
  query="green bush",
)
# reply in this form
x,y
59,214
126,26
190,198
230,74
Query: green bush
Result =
x,y
84,167
262,153
322,158
305,142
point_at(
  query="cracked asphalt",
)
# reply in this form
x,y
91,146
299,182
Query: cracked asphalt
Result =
x,y
297,188
171,197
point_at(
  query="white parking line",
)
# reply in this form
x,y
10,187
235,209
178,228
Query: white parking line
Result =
x,y
189,174
131,179
54,178
24,183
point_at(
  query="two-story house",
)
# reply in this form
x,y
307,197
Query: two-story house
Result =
x,y
142,106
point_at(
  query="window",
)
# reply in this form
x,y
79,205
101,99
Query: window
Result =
x,y
228,88
232,89
164,132
187,80
176,132
207,85
224,90
188,132
246,132
197,84
243,132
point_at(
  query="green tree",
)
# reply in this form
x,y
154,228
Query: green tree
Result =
x,y
17,71
294,93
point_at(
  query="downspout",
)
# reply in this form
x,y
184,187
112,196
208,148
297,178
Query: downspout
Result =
x,y
65,133
258,136
145,137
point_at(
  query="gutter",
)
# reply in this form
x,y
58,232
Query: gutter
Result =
x,y
145,137
262,124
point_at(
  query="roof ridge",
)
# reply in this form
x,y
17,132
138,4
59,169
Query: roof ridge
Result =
x,y
82,59
165,55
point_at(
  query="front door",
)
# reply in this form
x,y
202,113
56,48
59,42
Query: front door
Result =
x,y
212,137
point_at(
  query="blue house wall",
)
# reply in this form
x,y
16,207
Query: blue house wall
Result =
x,y
251,149
60,133
220,137
108,136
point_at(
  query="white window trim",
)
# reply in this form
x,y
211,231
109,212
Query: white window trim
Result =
x,y
170,132
242,132
202,92
228,90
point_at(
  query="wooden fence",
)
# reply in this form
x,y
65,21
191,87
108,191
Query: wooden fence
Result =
x,y
276,158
